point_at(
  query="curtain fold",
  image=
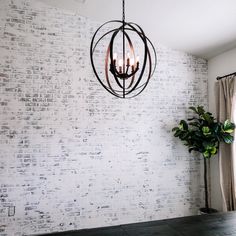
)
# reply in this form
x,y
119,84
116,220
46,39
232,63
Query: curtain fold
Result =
x,y
226,89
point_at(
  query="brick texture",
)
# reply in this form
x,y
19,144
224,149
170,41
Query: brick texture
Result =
x,y
71,155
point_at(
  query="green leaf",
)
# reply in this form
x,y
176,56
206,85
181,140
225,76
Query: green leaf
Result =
x,y
206,130
213,150
185,135
195,124
228,139
183,125
180,127
198,133
193,109
216,127
207,145
206,154
174,129
200,110
193,149
177,133
207,118
210,114
228,127
209,151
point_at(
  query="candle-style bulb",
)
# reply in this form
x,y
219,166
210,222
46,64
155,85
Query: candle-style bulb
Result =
x,y
137,62
128,59
120,63
114,59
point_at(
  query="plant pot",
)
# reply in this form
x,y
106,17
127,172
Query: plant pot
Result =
x,y
205,211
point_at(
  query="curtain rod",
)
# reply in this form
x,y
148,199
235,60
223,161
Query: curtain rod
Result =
x,y
221,77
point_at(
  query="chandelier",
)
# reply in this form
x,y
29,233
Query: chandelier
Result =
x,y
130,57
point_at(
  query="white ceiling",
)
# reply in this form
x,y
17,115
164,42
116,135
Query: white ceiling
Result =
x,y
204,28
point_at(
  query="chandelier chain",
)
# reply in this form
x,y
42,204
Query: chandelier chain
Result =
x,y
123,11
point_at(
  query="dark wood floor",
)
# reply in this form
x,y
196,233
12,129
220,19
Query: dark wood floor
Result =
x,y
220,224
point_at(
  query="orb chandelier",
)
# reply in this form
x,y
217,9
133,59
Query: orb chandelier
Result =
x,y
129,59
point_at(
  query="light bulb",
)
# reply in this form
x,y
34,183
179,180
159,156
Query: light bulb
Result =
x,y
128,59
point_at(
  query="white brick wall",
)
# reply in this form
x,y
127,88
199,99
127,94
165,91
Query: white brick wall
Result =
x,y
71,155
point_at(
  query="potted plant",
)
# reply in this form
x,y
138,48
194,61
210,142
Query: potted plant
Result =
x,y
202,134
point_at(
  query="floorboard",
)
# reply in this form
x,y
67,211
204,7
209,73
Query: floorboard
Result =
x,y
219,224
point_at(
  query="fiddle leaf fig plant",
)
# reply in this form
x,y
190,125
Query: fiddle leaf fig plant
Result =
x,y
202,133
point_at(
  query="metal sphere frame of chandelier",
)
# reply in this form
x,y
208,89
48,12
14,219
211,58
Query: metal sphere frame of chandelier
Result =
x,y
124,70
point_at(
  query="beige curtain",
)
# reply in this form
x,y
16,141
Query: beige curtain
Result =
x,y
226,89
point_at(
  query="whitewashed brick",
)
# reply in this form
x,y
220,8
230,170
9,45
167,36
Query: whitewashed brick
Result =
x,y
71,155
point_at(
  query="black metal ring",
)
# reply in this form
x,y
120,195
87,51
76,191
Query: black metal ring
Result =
x,y
134,87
